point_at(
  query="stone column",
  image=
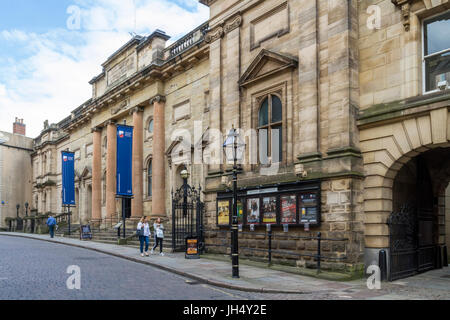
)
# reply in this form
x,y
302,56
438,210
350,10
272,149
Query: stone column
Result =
x,y
214,38
158,165
137,207
307,146
97,175
111,154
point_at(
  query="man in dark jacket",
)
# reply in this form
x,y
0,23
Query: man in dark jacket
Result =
x,y
51,223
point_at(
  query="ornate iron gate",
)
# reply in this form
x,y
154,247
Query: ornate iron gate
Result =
x,y
403,243
413,229
187,217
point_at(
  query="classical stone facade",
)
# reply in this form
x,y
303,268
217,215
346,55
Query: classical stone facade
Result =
x,y
331,108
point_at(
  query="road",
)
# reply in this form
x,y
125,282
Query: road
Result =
x,y
37,270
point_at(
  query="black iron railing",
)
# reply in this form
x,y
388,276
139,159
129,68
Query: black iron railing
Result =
x,y
269,236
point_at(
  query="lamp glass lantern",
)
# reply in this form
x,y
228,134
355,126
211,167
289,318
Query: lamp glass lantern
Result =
x,y
234,146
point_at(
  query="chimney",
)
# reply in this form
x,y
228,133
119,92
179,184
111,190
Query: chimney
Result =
x,y
19,127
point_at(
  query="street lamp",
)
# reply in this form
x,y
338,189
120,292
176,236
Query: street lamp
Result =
x,y
18,207
233,142
184,175
26,209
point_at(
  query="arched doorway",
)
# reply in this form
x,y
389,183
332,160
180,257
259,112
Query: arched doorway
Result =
x,y
414,243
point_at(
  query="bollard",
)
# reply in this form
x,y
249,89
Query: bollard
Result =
x,y
319,237
444,256
439,258
382,263
270,247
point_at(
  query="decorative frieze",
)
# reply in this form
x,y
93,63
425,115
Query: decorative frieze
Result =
x,y
233,24
214,35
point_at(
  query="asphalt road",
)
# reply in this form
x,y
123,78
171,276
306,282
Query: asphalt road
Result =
x,y
37,270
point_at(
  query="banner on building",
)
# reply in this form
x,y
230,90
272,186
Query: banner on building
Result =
x,y
124,161
68,178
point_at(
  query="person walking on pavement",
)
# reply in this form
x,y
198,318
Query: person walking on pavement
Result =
x,y
144,235
159,236
51,223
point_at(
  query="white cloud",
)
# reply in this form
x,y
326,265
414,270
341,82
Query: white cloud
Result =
x,y
53,78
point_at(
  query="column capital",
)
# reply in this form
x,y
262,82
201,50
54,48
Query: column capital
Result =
x,y
136,109
110,122
158,98
97,129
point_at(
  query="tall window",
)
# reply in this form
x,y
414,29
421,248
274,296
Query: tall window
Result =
x,y
150,127
437,51
270,130
149,179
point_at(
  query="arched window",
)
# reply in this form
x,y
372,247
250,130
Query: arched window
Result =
x,y
149,179
150,127
270,129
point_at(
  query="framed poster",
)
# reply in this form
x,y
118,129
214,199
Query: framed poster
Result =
x,y
223,212
309,209
253,211
270,210
288,209
240,212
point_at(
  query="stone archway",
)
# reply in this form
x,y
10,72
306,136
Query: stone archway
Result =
x,y
386,148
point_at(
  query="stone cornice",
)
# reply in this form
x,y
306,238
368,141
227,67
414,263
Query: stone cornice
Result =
x,y
158,99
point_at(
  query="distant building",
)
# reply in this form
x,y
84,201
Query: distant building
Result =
x,y
15,172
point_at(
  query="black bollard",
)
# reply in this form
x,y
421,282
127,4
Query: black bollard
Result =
x,y
444,256
382,263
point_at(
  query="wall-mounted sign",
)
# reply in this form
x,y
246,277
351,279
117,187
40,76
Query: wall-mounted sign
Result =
x,y
68,178
253,211
309,210
270,210
288,209
261,191
223,212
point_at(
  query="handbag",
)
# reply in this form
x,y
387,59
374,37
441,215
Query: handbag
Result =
x,y
140,232
159,233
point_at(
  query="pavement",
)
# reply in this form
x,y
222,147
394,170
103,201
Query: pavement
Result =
x,y
253,279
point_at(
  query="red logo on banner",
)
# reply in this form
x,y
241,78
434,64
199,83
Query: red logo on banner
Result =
x,y
121,134
65,158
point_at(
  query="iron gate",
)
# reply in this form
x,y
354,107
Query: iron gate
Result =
x,y
403,243
187,217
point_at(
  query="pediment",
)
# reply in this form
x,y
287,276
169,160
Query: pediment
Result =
x,y
267,63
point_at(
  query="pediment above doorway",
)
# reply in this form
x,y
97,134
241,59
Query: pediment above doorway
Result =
x,y
267,63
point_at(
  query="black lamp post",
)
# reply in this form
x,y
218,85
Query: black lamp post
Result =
x,y
232,142
26,209
18,207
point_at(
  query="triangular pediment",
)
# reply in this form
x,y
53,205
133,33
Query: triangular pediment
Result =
x,y
266,64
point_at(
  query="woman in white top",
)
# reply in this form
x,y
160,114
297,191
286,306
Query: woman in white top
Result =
x,y
159,236
144,238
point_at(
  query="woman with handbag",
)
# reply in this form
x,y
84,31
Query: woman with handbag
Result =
x,y
143,231
159,236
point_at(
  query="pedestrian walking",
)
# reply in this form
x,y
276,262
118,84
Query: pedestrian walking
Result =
x,y
159,236
144,235
51,223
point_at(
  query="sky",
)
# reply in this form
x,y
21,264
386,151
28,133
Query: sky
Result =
x,y
51,49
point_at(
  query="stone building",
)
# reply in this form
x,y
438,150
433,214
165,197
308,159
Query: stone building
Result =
x,y
15,173
343,106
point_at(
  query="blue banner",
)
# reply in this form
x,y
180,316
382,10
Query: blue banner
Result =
x,y
68,178
124,161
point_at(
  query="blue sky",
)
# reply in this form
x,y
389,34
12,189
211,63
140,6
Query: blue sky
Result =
x,y
50,49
